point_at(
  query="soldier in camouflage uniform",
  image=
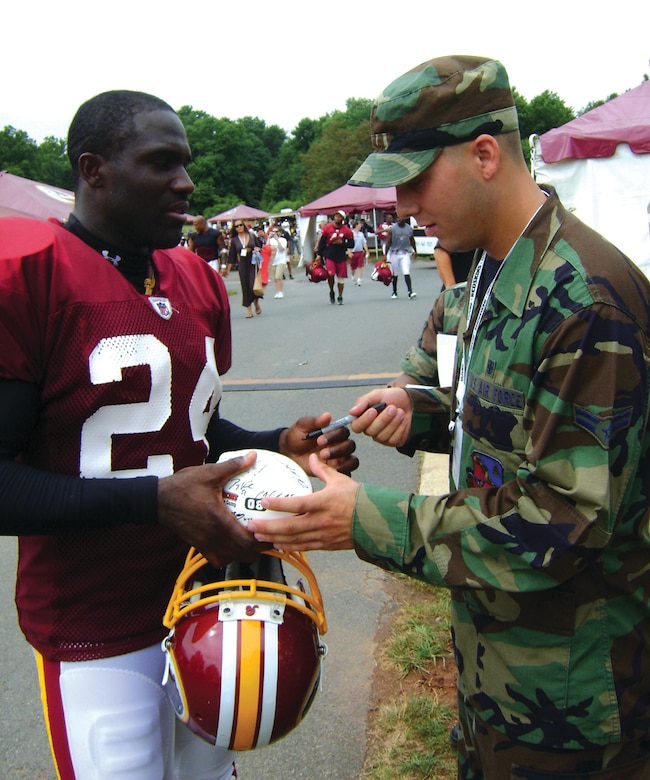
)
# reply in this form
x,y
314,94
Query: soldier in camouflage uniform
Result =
x,y
543,538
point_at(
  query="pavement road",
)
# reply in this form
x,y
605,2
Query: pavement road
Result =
x,y
302,355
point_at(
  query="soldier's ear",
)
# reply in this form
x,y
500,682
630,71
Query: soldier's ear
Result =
x,y
487,155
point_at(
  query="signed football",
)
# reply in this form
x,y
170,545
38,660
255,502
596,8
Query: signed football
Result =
x,y
272,474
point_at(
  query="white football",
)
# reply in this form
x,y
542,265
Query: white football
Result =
x,y
272,474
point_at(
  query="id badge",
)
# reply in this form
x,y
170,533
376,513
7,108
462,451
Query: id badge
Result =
x,y
244,252
457,448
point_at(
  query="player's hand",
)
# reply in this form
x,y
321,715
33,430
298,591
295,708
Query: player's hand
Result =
x,y
191,505
391,426
334,448
323,520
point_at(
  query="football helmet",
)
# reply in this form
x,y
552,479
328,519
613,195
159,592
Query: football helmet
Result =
x,y
316,271
244,652
382,273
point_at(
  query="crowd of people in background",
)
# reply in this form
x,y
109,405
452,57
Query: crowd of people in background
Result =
x,y
342,243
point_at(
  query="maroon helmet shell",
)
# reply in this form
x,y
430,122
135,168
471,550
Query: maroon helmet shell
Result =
x,y
316,272
382,273
244,655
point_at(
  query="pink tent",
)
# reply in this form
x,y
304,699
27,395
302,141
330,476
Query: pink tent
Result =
x,y
353,200
598,132
21,197
242,211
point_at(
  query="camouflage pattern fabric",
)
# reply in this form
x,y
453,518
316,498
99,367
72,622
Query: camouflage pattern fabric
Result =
x,y
487,753
544,543
430,432
421,362
439,103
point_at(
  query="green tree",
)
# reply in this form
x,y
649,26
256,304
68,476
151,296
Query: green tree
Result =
x,y
305,133
284,184
46,162
357,112
232,160
284,187
595,103
52,165
334,157
18,152
543,112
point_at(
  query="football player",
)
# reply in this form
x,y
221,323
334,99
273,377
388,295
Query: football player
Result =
x,y
114,341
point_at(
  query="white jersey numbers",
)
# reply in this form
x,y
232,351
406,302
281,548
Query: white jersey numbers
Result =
x,y
106,363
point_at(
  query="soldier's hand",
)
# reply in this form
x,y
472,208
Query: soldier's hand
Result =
x,y
391,426
322,521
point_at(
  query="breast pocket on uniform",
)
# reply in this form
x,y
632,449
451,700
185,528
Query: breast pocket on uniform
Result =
x,y
494,415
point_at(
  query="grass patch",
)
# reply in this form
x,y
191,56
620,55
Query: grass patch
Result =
x,y
408,735
416,741
421,632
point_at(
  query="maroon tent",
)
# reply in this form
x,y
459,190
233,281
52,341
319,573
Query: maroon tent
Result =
x,y
242,211
21,197
353,200
598,132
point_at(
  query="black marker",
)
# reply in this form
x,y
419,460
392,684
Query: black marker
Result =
x,y
342,422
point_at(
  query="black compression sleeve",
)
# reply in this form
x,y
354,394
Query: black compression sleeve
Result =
x,y
224,436
34,501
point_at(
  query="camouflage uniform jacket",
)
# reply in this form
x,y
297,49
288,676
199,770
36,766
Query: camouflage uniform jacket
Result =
x,y
430,432
545,542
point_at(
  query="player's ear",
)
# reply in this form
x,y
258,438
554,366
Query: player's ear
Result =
x,y
91,169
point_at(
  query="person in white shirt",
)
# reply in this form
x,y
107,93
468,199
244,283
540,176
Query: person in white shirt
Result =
x,y
280,259
359,253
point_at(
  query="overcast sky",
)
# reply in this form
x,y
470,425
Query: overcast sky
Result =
x,y
288,60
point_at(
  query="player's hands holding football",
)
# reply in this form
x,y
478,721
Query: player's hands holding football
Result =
x,y
319,521
334,448
191,505
392,425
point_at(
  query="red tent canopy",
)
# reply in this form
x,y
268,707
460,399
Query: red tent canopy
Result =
x,y
21,197
351,199
625,119
242,211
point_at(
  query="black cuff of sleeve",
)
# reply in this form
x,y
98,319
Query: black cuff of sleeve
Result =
x,y
429,433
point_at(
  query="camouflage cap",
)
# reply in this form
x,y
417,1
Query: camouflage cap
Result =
x,y
439,103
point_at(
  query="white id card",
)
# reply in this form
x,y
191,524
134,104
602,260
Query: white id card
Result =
x,y
446,344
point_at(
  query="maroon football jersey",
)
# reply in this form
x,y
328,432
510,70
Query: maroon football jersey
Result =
x,y
128,385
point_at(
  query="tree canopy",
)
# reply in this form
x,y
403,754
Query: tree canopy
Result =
x,y
248,161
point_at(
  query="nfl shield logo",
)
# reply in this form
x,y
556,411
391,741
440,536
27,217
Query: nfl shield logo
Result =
x,y
162,307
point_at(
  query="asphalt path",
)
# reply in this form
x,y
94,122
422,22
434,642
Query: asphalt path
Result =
x,y
302,355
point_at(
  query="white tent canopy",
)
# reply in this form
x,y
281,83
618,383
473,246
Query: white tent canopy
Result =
x,y
599,164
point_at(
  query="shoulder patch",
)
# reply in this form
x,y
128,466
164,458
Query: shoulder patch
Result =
x,y
485,471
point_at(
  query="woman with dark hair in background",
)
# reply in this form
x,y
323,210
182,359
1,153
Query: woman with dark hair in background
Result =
x,y
242,245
